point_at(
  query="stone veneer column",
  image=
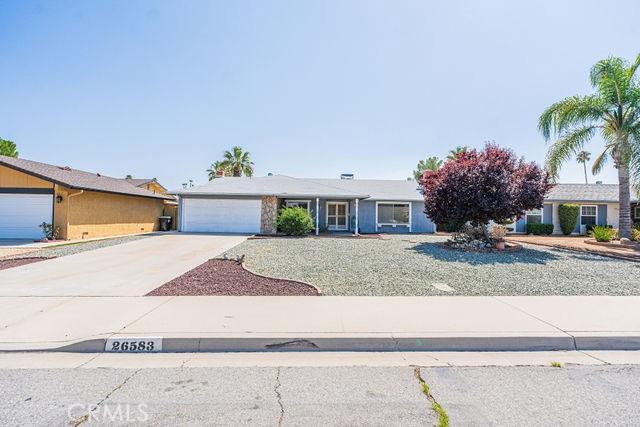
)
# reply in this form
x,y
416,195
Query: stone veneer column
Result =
x,y
269,215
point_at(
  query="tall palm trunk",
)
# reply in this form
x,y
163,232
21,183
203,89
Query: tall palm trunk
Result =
x,y
584,164
625,200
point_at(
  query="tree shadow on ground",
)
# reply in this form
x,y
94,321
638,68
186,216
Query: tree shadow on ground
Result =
x,y
521,256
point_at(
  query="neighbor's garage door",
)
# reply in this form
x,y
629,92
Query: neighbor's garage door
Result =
x,y
21,214
221,215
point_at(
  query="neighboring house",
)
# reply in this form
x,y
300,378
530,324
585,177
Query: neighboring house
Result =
x,y
152,184
598,206
250,205
82,204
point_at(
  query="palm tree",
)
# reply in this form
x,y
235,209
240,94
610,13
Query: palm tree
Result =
x,y
454,153
583,157
8,148
430,164
216,167
613,111
238,161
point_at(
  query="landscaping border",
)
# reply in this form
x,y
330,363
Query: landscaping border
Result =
x,y
248,270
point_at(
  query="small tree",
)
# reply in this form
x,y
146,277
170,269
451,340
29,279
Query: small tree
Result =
x,y
295,221
8,148
480,186
568,214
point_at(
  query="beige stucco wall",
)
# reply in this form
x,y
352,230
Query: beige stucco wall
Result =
x,y
154,187
10,178
92,214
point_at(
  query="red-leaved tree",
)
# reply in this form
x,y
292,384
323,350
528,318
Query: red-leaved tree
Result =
x,y
480,186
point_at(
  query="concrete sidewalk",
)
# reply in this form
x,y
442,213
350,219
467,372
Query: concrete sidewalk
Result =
x,y
192,324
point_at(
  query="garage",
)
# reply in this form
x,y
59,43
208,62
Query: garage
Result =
x,y
21,214
209,215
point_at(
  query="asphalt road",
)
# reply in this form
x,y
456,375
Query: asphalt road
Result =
x,y
575,395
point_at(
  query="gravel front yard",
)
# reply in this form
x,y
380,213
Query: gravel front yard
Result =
x,y
417,265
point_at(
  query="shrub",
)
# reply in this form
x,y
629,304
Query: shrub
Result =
x,y
482,185
295,221
590,227
50,231
539,229
568,214
602,233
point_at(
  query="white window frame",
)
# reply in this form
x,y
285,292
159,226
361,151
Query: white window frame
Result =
x,y
308,202
636,212
381,224
526,216
596,215
347,213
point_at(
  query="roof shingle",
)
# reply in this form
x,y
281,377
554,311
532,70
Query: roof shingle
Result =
x,y
77,179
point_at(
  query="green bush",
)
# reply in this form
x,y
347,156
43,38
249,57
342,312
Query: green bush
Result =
x,y
539,229
295,221
602,233
589,228
568,214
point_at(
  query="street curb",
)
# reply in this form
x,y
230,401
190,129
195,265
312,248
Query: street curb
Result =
x,y
382,343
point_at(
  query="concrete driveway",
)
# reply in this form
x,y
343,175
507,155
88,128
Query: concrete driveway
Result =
x,y
129,269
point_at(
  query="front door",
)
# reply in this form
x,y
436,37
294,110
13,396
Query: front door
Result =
x,y
337,216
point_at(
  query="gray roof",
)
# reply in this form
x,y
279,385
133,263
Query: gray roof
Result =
x,y
77,179
286,186
605,193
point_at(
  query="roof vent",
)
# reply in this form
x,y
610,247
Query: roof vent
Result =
x,y
599,182
65,168
346,176
98,174
269,174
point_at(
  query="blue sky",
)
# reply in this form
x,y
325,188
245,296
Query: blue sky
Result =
x,y
310,88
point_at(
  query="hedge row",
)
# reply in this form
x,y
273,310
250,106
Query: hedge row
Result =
x,y
539,229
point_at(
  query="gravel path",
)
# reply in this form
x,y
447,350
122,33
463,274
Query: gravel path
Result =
x,y
75,248
418,265
220,277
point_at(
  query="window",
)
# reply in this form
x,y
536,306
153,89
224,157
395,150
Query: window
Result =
x,y
393,214
637,212
588,215
534,216
298,204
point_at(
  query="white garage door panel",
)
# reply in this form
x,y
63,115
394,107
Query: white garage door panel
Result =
x,y
221,215
21,214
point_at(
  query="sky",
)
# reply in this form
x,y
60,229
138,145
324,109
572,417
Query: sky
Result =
x,y
309,88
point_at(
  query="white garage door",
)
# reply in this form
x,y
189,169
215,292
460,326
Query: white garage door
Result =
x,y
221,215
21,214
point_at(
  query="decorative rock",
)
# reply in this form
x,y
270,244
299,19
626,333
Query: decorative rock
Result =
x,y
625,241
269,215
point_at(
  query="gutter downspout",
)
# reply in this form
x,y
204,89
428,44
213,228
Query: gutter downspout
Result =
x,y
69,196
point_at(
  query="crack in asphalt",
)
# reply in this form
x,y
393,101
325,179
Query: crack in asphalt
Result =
x,y
86,416
443,418
276,389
